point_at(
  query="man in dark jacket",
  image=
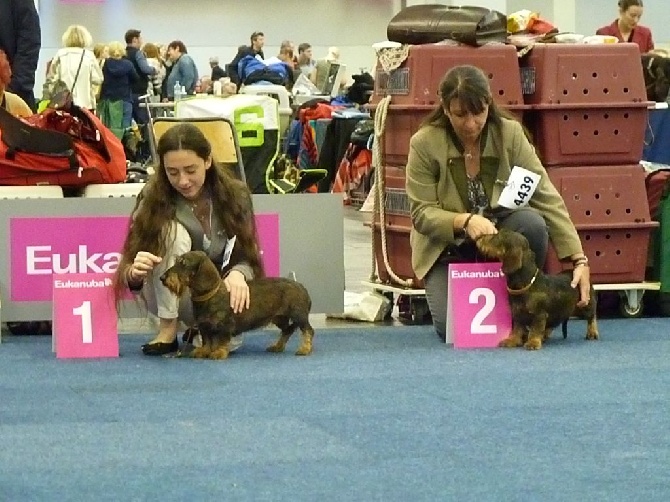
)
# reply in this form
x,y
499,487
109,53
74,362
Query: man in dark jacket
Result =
x,y
255,49
140,87
144,70
20,38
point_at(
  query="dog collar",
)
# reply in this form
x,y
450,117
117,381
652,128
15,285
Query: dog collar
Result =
x,y
525,288
207,296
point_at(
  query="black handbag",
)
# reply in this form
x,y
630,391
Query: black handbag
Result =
x,y
427,24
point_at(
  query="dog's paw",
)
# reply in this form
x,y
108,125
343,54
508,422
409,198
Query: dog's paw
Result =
x,y
199,353
592,335
509,343
276,348
533,344
220,353
304,350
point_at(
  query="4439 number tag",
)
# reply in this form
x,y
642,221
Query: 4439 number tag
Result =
x,y
520,187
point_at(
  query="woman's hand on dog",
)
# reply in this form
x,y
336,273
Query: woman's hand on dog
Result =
x,y
478,226
143,263
581,277
237,286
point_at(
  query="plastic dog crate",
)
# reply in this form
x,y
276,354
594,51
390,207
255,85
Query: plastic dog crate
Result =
x,y
617,254
401,123
586,74
590,135
609,207
396,202
598,195
417,80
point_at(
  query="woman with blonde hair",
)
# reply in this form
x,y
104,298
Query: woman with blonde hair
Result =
x,y
77,67
116,103
101,52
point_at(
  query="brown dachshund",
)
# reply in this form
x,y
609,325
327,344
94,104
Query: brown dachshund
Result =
x,y
539,302
283,302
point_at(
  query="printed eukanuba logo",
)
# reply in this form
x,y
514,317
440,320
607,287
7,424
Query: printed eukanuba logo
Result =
x,y
41,247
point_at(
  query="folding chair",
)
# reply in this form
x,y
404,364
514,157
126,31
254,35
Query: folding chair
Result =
x,y
219,131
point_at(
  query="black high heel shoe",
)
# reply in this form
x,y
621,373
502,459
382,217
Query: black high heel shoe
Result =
x,y
160,348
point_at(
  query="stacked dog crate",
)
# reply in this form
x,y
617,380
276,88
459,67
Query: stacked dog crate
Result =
x,y
588,118
414,90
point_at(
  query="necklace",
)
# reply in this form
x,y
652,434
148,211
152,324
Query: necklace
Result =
x,y
470,154
202,210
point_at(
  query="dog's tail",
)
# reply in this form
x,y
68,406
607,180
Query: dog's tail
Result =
x,y
564,329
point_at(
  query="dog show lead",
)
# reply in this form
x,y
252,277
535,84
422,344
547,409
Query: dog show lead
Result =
x,y
190,203
459,162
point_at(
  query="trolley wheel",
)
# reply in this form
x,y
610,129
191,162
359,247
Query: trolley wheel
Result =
x,y
628,310
420,311
413,309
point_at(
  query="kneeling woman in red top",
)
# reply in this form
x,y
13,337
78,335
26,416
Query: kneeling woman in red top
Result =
x,y
627,27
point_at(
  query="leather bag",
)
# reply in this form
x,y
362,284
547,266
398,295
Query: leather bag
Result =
x,y
427,24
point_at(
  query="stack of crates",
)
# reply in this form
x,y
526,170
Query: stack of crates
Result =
x,y
588,115
414,89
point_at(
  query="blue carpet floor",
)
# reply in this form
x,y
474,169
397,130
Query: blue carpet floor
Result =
x,y
381,414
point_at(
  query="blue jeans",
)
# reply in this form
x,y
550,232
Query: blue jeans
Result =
x,y
127,114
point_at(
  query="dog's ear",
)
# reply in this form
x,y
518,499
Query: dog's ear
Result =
x,y
200,259
512,259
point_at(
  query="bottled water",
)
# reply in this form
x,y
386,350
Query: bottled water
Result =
x,y
177,91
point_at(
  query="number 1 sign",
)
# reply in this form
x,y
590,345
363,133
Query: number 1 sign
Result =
x,y
84,316
478,313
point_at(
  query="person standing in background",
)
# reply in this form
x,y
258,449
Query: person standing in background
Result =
x,y
627,28
152,52
183,71
144,70
115,108
255,49
76,65
21,39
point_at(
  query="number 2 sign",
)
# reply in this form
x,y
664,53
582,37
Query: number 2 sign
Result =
x,y
478,313
84,316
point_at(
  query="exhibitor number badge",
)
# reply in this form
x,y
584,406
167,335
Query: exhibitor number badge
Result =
x,y
519,189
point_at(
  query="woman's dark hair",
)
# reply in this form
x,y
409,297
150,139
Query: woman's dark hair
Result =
x,y
470,87
624,5
156,206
